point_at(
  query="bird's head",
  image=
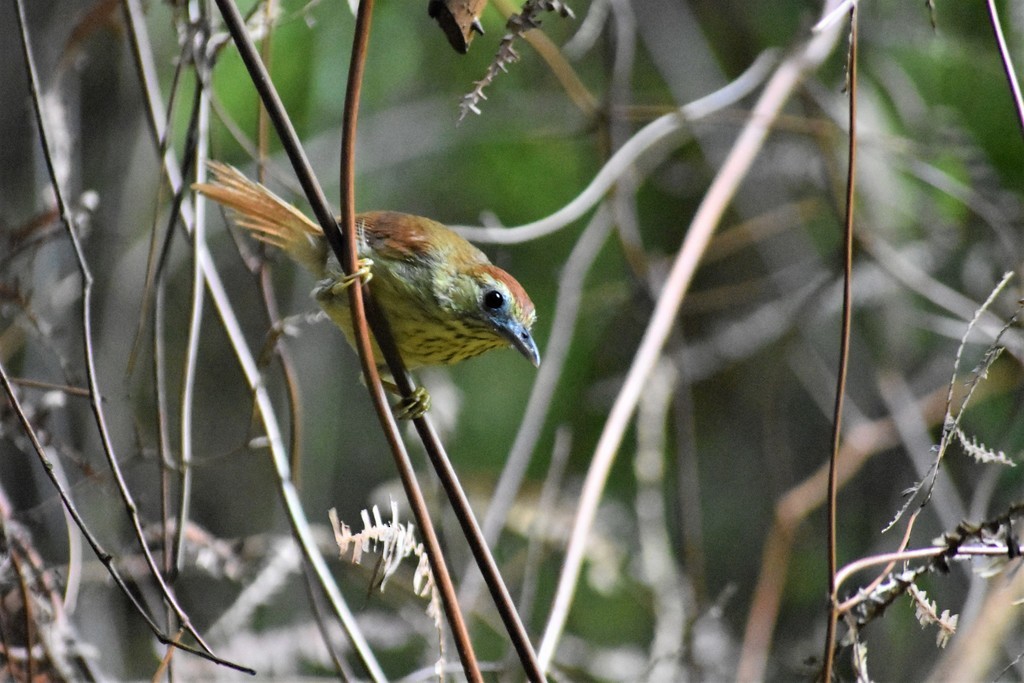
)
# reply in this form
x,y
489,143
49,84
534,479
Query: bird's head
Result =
x,y
498,305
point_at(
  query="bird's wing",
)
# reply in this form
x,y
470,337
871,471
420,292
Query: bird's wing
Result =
x,y
394,235
404,237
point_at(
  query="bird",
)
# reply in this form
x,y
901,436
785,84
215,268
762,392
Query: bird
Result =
x,y
444,300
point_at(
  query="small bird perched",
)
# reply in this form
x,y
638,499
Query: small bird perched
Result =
x,y
444,300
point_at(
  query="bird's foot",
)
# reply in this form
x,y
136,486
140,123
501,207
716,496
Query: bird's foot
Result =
x,y
416,406
362,274
413,407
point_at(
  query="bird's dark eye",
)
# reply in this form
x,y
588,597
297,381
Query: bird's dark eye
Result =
x,y
494,300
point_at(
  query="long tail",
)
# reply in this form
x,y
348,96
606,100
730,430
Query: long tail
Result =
x,y
267,216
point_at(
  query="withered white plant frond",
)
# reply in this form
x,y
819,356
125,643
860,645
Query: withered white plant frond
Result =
x,y
393,541
979,451
528,18
927,613
951,430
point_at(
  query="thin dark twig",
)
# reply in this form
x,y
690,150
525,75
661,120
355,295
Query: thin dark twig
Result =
x,y
144,64
1004,54
105,558
179,210
170,548
188,160
162,430
159,388
87,336
169,529
163,138
844,351
284,358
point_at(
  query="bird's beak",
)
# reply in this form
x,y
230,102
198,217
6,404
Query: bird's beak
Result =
x,y
521,340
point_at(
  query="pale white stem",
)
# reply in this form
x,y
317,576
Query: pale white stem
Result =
x,y
778,90
649,137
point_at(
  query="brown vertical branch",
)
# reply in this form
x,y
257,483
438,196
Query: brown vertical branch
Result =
x,y
347,257
844,351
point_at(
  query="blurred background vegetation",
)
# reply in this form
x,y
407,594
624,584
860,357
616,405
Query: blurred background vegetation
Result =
x,y
746,381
